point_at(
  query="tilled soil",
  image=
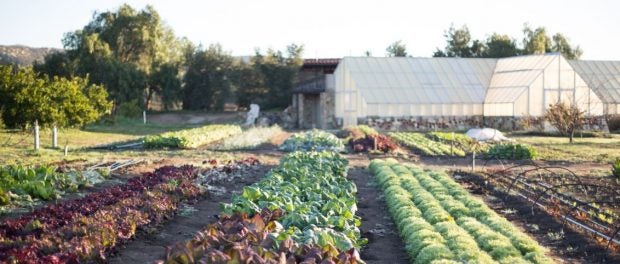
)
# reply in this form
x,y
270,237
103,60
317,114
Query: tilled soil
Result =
x,y
150,245
384,244
566,245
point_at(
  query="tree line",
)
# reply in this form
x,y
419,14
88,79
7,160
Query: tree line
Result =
x,y
124,59
459,43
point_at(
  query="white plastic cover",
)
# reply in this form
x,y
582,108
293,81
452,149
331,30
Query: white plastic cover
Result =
x,y
486,134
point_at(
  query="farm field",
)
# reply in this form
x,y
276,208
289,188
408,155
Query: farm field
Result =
x,y
305,193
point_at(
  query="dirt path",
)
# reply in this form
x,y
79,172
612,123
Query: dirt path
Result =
x,y
149,245
384,244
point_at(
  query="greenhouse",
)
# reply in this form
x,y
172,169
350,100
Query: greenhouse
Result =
x,y
429,93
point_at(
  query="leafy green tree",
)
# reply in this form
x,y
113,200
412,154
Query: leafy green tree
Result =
x,y
562,45
28,97
396,49
277,73
208,79
458,43
165,82
122,49
535,41
500,46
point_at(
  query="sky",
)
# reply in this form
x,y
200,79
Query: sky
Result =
x,y
330,28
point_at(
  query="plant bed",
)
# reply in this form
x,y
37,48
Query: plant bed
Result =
x,y
315,218
440,221
313,140
191,138
426,146
565,243
87,229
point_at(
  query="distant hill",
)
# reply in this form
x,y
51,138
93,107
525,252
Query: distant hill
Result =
x,y
23,55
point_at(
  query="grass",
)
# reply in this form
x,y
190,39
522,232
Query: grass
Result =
x,y
16,147
598,150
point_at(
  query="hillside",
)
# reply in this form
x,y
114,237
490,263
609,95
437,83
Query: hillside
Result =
x,y
23,55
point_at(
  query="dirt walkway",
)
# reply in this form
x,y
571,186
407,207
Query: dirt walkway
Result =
x,y
384,243
149,245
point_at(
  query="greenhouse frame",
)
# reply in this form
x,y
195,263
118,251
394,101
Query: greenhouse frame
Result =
x,y
431,93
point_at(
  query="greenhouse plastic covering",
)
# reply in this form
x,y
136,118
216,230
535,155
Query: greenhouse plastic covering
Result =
x,y
603,77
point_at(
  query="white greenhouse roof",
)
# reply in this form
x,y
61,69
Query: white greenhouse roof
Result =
x,y
420,80
513,75
603,77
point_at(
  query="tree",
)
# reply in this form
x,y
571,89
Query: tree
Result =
x,y
28,97
565,118
500,46
208,79
561,45
538,42
121,49
396,49
458,41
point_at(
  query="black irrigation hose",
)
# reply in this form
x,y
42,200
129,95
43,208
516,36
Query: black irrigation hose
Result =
x,y
576,204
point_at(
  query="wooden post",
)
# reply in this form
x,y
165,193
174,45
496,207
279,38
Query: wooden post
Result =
x,y
54,137
66,150
144,116
452,145
36,135
473,161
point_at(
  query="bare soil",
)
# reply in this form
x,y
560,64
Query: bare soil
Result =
x,y
573,247
384,243
150,245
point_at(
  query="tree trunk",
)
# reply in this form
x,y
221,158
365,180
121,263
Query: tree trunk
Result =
x,y
572,134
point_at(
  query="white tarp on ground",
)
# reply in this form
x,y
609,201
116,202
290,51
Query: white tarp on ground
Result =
x,y
486,134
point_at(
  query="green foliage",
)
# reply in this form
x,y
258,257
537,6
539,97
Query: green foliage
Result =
x,y
315,140
397,49
511,151
424,145
613,123
535,41
129,109
36,182
208,82
615,169
191,138
249,139
441,222
56,101
129,51
317,199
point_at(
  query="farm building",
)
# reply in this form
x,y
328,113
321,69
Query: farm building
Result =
x,y
430,93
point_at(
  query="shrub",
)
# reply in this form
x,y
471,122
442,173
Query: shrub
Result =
x,y
613,123
615,169
511,151
130,109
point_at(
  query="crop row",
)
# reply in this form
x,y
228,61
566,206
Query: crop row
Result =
x,y
83,230
302,210
363,138
440,222
249,139
426,146
21,185
313,140
191,138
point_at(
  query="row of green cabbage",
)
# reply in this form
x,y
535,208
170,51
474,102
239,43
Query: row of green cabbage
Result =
x,y
313,140
440,222
191,138
317,200
426,146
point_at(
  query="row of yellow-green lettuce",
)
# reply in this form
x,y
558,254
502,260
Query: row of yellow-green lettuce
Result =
x,y
440,222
